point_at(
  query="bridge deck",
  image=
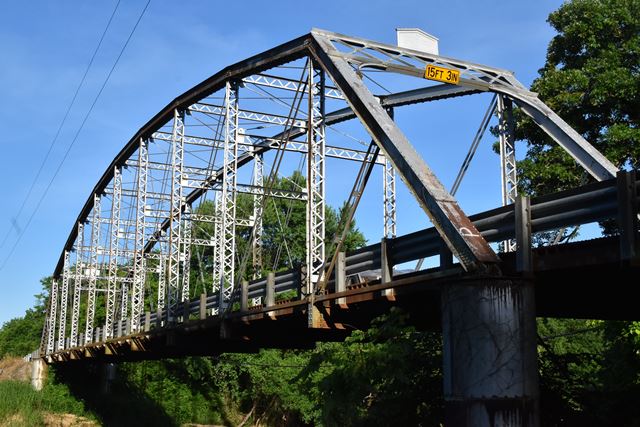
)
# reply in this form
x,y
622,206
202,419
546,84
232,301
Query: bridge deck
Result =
x,y
579,280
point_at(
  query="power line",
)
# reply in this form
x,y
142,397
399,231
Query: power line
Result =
x,y
75,138
62,123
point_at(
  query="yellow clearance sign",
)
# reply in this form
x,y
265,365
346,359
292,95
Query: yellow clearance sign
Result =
x,y
442,74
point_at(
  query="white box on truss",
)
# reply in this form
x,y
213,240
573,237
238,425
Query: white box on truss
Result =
x,y
416,39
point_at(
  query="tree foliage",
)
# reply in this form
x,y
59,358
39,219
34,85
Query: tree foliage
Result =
x,y
591,78
21,336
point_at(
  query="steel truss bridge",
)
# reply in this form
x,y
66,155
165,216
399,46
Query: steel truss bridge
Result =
x,y
129,255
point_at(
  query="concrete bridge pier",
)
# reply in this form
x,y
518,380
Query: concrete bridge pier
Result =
x,y
489,353
39,371
107,376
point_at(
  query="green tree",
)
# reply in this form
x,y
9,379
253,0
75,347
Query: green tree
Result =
x,y
21,335
591,78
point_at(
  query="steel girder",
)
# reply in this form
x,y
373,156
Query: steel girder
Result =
x,y
177,154
116,200
508,172
186,253
139,261
315,177
93,269
258,200
77,286
229,180
63,301
51,317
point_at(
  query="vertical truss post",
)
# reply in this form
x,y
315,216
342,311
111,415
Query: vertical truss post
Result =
x,y
93,269
162,276
217,247
389,200
507,158
186,252
389,188
77,287
124,301
258,181
229,180
51,318
139,263
63,301
177,141
113,251
315,178
507,151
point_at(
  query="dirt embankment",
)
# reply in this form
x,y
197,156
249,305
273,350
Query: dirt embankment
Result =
x,y
14,368
50,420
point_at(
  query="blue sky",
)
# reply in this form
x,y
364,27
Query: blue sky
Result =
x,y
45,47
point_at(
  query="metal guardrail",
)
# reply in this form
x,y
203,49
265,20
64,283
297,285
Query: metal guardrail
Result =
x,y
591,203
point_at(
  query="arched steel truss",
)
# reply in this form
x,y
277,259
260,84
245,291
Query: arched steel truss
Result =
x,y
158,188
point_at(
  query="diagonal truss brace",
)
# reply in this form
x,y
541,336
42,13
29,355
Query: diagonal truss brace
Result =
x,y
456,229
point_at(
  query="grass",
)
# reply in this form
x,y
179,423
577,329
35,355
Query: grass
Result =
x,y
21,405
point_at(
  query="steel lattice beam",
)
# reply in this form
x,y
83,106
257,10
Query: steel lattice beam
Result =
x,y
139,263
93,262
113,251
51,317
177,159
186,252
508,170
389,184
229,180
63,301
315,177
77,285
258,200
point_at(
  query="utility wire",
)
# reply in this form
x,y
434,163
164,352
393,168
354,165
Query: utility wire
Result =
x,y
75,138
62,123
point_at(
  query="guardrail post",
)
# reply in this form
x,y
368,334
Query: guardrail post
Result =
x,y
185,310
127,326
627,215
302,274
341,278
81,339
270,299
446,257
221,304
524,256
97,334
203,306
386,267
158,318
147,321
244,296
386,270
